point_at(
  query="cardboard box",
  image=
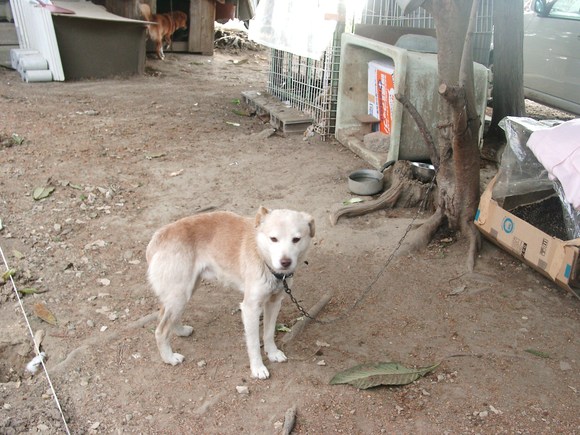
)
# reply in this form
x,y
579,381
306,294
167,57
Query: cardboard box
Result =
x,y
381,92
554,258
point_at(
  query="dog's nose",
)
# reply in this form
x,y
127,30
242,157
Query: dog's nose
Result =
x,y
285,262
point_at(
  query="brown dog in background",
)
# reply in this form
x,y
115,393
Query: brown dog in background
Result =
x,y
165,26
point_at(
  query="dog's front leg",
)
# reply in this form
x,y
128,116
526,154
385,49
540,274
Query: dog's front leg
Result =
x,y
271,310
251,310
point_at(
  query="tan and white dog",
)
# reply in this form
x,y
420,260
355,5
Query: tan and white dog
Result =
x,y
162,26
251,254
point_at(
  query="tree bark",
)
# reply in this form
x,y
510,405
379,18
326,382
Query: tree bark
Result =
x,y
458,176
508,65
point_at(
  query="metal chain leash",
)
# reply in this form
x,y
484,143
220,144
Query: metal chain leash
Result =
x,y
379,274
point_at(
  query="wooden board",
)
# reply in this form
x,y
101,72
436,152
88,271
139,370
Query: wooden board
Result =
x,y
287,120
201,27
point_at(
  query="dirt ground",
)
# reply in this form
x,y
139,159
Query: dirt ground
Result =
x,y
127,155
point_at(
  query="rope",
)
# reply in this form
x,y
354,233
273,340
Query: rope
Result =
x,y
36,346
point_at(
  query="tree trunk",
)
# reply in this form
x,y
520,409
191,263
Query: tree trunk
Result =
x,y
508,66
458,173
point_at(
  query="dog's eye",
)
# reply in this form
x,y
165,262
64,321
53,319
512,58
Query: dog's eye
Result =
x,y
274,239
295,239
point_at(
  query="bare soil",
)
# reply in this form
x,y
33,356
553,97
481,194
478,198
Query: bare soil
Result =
x,y
127,155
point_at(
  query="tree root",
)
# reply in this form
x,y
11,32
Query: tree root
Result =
x,y
420,238
301,324
474,238
97,340
387,199
401,182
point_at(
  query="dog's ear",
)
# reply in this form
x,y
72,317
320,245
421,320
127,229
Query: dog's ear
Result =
x,y
262,212
310,220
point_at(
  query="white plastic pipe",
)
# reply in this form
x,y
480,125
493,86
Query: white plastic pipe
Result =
x,y
38,76
32,62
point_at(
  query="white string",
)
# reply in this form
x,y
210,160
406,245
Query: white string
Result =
x,y
36,346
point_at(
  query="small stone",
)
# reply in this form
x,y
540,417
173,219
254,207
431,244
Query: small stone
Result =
x,y
321,362
42,427
242,389
113,317
104,281
201,363
96,244
565,366
278,425
483,414
104,328
7,406
90,323
264,134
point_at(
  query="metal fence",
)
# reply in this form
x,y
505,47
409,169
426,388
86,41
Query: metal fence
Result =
x,y
312,86
308,85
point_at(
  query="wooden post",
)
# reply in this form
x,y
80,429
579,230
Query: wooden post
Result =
x,y
201,27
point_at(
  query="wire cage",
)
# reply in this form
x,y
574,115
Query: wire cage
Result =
x,y
311,86
308,85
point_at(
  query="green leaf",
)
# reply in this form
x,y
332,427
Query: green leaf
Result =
x,y
6,275
352,201
538,353
370,375
17,139
282,328
42,192
155,156
29,291
236,101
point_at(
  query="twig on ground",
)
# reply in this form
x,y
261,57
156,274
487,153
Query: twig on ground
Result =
x,y
301,324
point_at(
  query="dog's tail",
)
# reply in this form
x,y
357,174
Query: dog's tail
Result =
x,y
145,11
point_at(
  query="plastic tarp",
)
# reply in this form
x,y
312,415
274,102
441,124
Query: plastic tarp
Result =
x,y
521,172
301,27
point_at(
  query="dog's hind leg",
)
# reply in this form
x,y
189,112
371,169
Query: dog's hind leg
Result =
x,y
170,315
186,330
271,310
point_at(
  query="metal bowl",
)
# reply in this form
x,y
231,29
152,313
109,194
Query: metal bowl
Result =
x,y
365,182
423,171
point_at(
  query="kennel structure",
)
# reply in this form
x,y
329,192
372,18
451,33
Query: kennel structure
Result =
x,y
311,86
198,38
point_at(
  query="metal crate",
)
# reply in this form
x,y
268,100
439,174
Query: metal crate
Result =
x,y
308,85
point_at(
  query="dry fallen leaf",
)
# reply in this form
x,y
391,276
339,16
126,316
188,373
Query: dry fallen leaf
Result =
x,y
42,312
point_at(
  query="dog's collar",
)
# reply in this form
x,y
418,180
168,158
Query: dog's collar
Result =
x,y
281,276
